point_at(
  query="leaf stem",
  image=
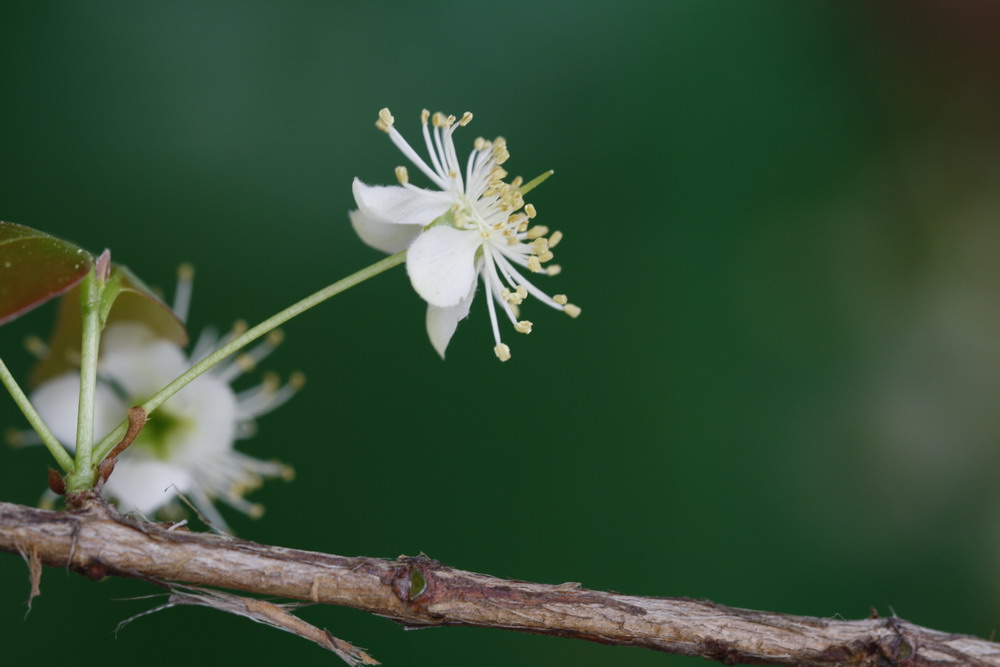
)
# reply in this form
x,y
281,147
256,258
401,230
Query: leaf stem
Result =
x,y
90,302
58,452
107,444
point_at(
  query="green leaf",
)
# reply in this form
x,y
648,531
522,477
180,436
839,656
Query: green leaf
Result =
x,y
126,298
36,267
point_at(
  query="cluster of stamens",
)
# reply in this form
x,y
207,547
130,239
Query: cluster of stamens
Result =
x,y
487,203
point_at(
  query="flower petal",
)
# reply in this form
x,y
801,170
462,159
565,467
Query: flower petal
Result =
x,y
395,204
442,322
442,264
135,357
57,402
382,235
144,485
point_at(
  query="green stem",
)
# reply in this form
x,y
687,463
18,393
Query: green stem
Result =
x,y
90,301
271,323
55,448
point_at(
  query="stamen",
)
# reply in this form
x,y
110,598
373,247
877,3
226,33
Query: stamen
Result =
x,y
553,270
555,238
522,292
466,119
517,182
385,120
182,295
524,326
424,116
36,347
530,210
534,265
502,352
402,175
571,310
540,245
545,256
438,120
561,299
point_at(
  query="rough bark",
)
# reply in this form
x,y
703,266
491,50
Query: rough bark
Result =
x,y
414,591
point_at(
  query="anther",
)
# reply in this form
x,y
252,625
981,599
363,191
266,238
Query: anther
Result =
x,y
534,264
36,347
522,292
245,362
485,233
545,256
571,310
481,144
276,337
402,175
385,120
524,326
517,182
297,380
466,119
530,210
185,271
561,299
553,270
424,116
450,120
540,245
437,119
239,326
555,238
538,231
502,352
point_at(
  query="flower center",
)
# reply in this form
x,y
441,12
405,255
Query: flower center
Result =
x,y
161,434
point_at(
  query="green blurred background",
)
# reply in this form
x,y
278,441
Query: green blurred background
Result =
x,y
781,222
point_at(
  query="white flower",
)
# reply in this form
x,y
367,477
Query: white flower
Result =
x,y
475,224
186,447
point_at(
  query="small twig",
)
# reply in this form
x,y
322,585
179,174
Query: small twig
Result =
x,y
419,592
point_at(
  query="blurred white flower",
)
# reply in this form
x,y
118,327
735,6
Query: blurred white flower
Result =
x,y
473,225
186,447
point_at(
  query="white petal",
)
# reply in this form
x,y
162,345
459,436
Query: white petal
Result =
x,y
139,360
382,235
442,322
398,205
144,485
441,264
57,401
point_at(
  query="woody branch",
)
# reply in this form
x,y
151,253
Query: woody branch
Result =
x,y
97,541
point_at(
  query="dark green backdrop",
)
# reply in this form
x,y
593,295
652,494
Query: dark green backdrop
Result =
x,y
781,222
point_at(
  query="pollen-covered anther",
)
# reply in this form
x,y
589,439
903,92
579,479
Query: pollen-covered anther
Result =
x,y
185,271
555,238
571,310
438,119
537,231
517,182
502,352
466,119
239,326
402,175
485,233
530,210
553,270
545,256
534,264
246,362
524,326
517,200
522,292
297,380
385,120
500,155
498,174
540,245
36,347
424,116
276,337
561,299
270,382
450,120
481,144
511,297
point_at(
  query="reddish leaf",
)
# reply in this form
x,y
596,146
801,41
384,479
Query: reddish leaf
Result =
x,y
36,267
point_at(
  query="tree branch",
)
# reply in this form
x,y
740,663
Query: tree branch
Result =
x,y
97,541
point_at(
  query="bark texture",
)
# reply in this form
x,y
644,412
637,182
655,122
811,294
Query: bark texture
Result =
x,y
415,591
